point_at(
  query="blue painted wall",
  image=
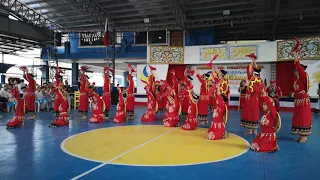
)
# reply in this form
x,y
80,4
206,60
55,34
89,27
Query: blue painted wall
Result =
x,y
128,49
200,37
77,52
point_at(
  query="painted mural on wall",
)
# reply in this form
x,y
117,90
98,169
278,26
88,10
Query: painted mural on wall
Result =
x,y
206,54
240,52
228,52
166,55
310,49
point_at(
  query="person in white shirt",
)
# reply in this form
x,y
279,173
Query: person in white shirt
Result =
x,y
20,86
4,97
40,95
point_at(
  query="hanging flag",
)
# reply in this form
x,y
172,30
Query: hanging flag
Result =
x,y
106,34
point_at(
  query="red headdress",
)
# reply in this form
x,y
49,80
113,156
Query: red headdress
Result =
x,y
131,68
297,47
191,72
23,68
84,68
210,64
172,71
93,84
273,81
152,68
59,70
252,55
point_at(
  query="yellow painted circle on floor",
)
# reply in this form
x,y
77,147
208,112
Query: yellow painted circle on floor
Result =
x,y
152,145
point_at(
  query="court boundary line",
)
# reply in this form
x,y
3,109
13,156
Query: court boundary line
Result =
x,y
137,147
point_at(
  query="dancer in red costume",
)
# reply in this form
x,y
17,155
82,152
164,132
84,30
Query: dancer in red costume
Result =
x,y
120,116
106,91
184,99
84,96
98,108
266,141
64,108
204,100
302,117
160,89
58,85
275,93
224,85
18,119
217,129
152,85
191,123
251,111
242,93
130,95
29,95
172,117
150,115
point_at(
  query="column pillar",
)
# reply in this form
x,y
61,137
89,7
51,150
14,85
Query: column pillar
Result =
x,y
125,75
3,77
75,74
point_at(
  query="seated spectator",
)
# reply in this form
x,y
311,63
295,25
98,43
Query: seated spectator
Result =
x,y
4,97
40,96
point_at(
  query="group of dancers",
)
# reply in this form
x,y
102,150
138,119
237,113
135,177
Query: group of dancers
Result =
x,y
179,100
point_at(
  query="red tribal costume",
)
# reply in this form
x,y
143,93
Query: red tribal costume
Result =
x,y
191,122
130,95
160,89
204,100
18,119
266,141
275,93
58,85
29,96
106,91
150,115
84,96
171,118
120,116
98,109
251,111
217,129
242,93
302,117
63,118
184,100
224,86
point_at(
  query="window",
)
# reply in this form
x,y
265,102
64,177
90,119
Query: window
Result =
x,y
64,38
119,37
140,38
157,37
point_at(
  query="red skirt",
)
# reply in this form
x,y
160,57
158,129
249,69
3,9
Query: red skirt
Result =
x,y
216,131
149,116
17,121
83,103
160,101
120,115
62,120
265,142
56,104
302,117
130,103
190,124
203,105
251,112
242,100
96,118
107,100
171,120
30,99
185,105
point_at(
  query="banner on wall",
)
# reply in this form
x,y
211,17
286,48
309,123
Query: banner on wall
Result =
x,y
143,72
236,73
310,49
166,55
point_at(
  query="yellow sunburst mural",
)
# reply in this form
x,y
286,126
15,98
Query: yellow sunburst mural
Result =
x,y
316,75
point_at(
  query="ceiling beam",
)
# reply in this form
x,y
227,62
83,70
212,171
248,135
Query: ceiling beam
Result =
x,y
275,20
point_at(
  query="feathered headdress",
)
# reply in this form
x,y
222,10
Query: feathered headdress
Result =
x,y
84,68
252,56
210,64
59,70
131,68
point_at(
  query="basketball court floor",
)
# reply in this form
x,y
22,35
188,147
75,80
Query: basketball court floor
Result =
x,y
138,151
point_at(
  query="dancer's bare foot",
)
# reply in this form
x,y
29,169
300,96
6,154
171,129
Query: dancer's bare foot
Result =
x,y
255,132
84,117
303,139
250,133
